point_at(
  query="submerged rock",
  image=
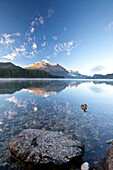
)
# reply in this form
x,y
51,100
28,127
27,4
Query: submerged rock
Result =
x,y
43,147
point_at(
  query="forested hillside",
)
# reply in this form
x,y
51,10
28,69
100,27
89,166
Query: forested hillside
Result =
x,y
23,73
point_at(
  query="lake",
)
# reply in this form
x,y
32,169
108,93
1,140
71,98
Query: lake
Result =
x,y
55,105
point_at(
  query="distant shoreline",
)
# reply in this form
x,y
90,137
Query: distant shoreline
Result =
x,y
51,79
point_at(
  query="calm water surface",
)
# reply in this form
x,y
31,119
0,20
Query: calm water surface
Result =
x,y
55,105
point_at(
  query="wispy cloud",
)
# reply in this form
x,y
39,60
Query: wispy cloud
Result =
x,y
16,34
54,38
8,39
50,12
37,21
66,46
44,37
10,56
48,57
34,46
1,41
97,68
32,29
65,28
44,44
41,20
21,50
26,45
32,53
109,27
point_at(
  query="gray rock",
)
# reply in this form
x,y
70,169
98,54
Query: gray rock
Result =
x,y
85,166
42,147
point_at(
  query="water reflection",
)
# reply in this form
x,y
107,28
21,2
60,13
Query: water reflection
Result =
x,y
52,87
96,89
55,105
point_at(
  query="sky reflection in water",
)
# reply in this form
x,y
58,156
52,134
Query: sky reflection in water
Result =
x,y
55,105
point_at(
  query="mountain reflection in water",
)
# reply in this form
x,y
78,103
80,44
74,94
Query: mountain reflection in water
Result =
x,y
50,87
10,87
55,105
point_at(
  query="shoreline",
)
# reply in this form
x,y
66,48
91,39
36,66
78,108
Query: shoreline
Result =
x,y
59,79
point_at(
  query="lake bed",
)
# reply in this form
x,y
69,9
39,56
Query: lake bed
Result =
x,y
56,106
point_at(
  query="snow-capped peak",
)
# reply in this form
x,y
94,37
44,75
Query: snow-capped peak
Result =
x,y
45,62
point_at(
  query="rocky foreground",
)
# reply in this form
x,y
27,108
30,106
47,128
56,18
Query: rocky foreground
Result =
x,y
38,147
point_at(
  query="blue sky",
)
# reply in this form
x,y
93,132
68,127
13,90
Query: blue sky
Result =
x,y
77,34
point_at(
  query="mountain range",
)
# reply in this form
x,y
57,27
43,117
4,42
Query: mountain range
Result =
x,y
52,68
9,70
55,68
44,69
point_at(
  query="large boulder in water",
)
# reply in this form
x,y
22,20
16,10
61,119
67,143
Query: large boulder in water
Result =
x,y
42,147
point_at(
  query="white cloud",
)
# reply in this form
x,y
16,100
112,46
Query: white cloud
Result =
x,y
21,50
54,37
1,41
16,34
32,23
41,20
34,46
32,53
66,46
29,39
8,40
68,52
55,53
36,22
48,57
50,12
70,43
6,36
109,27
10,56
12,99
44,37
32,29
43,44
97,68
65,29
